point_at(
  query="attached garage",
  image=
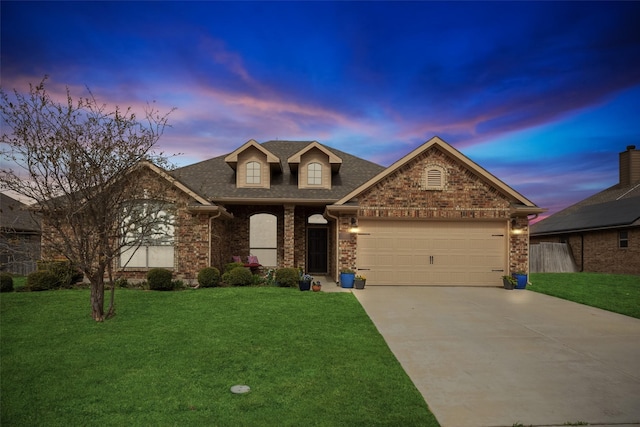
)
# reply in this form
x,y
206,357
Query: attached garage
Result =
x,y
429,252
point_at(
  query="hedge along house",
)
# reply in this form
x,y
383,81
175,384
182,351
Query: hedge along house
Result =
x,y
432,218
601,231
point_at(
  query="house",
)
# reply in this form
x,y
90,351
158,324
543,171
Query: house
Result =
x,y
19,237
602,231
434,217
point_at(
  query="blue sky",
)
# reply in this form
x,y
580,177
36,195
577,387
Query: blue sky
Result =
x,y
542,94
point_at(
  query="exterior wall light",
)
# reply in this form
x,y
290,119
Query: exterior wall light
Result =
x,y
354,226
516,229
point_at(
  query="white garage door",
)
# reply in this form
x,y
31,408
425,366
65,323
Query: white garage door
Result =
x,y
432,252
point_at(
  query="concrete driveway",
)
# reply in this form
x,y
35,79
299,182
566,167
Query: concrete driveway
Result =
x,y
491,357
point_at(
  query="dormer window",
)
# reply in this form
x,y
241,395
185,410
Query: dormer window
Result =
x,y
253,173
314,174
434,178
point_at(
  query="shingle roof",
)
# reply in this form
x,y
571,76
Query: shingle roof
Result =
x,y
617,206
215,180
14,217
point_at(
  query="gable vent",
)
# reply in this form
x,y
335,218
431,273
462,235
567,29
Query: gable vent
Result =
x,y
434,178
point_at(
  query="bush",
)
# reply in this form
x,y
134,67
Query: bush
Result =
x,y
232,265
209,277
6,282
159,279
42,280
239,276
287,277
66,272
121,282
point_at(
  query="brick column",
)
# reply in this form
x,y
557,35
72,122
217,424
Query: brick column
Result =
x,y
289,236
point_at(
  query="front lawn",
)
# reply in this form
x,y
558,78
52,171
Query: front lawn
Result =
x,y
170,358
613,292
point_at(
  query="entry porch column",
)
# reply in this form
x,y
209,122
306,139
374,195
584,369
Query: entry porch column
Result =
x,y
289,236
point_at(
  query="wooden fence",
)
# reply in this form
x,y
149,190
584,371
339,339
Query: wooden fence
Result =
x,y
551,258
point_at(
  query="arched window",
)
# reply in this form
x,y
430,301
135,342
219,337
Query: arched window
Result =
x,y
253,173
263,238
314,174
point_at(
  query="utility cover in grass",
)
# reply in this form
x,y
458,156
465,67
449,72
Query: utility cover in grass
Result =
x,y
240,389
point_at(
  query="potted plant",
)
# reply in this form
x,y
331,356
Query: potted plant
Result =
x,y
521,279
347,277
360,281
304,283
316,286
509,282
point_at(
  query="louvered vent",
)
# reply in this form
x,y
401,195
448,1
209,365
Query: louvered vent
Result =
x,y
434,178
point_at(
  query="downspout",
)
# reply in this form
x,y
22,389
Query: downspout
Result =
x,y
336,242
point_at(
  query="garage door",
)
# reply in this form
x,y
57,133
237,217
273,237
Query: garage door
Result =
x,y
432,252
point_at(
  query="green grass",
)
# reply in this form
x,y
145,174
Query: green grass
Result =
x,y
312,359
613,292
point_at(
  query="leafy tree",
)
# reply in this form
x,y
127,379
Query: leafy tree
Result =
x,y
81,163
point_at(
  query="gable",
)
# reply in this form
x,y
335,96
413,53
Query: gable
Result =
x,y
434,184
318,151
462,175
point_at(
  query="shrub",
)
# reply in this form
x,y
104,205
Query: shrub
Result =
x,y
6,282
287,277
232,265
42,280
159,279
121,282
66,272
239,276
209,277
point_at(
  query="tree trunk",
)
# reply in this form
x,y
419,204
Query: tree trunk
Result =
x,y
97,297
112,308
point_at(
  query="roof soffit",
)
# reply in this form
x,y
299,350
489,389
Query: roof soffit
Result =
x,y
457,155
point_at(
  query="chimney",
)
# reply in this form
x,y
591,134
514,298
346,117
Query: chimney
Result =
x,y
629,166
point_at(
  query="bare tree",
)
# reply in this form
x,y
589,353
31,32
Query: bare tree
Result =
x,y
80,163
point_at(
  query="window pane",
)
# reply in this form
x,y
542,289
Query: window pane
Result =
x,y
160,256
263,238
129,258
253,173
314,174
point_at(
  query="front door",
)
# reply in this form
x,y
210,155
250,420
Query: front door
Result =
x,y
317,250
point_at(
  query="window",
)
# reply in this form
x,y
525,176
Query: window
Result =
x,y
623,239
263,238
434,178
253,173
148,232
314,174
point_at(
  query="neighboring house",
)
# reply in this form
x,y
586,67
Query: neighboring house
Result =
x,y
432,218
19,237
602,231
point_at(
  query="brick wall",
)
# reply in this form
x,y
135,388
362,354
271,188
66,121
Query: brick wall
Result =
x,y
464,196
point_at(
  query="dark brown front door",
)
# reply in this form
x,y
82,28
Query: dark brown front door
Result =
x,y
317,250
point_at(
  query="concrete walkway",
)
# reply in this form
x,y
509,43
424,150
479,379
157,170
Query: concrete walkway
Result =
x,y
491,357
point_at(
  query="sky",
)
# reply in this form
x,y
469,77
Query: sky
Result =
x,y
544,95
